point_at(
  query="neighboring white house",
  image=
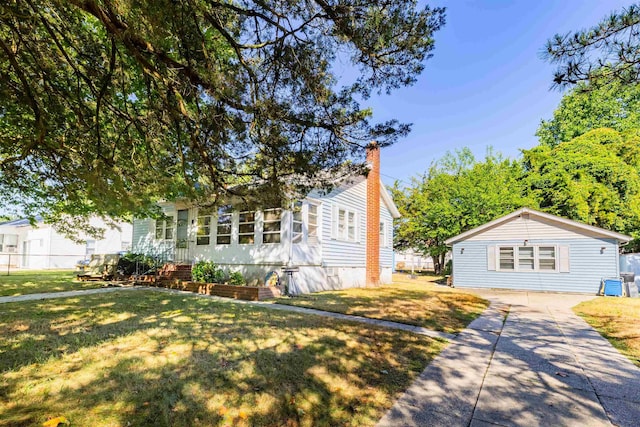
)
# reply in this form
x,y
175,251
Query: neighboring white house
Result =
x,y
410,260
338,240
531,250
41,247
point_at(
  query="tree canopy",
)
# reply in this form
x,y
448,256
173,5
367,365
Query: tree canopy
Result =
x,y
594,179
105,107
615,106
458,193
607,52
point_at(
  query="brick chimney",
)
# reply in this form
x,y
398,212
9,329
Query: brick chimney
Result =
x,y
373,216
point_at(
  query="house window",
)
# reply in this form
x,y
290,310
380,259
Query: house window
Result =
x,y
9,243
164,228
528,258
223,234
246,228
547,258
312,225
297,222
90,247
346,225
308,216
203,235
526,261
271,225
507,259
383,234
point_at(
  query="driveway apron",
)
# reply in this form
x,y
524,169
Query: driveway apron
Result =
x,y
542,365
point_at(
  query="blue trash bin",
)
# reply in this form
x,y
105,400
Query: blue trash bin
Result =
x,y
612,287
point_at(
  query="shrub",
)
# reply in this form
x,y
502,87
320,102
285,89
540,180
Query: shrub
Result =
x,y
133,263
236,278
207,272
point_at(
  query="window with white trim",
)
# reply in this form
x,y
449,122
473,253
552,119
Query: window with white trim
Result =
x,y
547,258
527,258
223,227
164,228
203,234
346,227
383,234
305,223
507,258
90,247
271,225
246,228
312,224
297,223
9,243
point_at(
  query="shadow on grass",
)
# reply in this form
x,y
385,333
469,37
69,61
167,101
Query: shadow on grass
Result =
x,y
161,359
441,311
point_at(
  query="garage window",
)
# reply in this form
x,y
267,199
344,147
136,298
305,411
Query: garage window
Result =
x,y
530,258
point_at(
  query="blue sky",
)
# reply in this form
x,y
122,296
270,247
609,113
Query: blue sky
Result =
x,y
486,83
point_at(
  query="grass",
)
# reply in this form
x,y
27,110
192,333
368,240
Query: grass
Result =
x,y
33,282
150,358
618,320
417,301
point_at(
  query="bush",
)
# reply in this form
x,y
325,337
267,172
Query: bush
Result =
x,y
207,272
237,279
133,263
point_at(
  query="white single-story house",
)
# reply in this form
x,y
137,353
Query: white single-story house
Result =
x,y
40,246
338,240
531,250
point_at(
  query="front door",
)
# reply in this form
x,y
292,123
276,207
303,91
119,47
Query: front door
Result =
x,y
182,236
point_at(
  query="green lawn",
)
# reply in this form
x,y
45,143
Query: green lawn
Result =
x,y
618,320
416,301
33,282
148,358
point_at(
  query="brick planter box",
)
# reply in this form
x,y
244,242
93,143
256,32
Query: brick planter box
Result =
x,y
248,293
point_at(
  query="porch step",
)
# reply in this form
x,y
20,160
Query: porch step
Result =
x,y
172,272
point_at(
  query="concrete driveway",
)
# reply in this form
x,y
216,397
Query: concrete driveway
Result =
x,y
542,365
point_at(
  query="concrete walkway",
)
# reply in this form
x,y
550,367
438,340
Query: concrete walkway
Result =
x,y
543,366
65,294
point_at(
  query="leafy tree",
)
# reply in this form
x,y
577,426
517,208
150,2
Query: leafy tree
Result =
x,y
107,106
607,52
615,106
593,178
457,194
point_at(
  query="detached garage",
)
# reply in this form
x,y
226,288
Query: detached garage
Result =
x,y
531,250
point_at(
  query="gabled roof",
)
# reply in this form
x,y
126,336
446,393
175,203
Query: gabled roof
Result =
x,y
22,222
388,200
534,213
